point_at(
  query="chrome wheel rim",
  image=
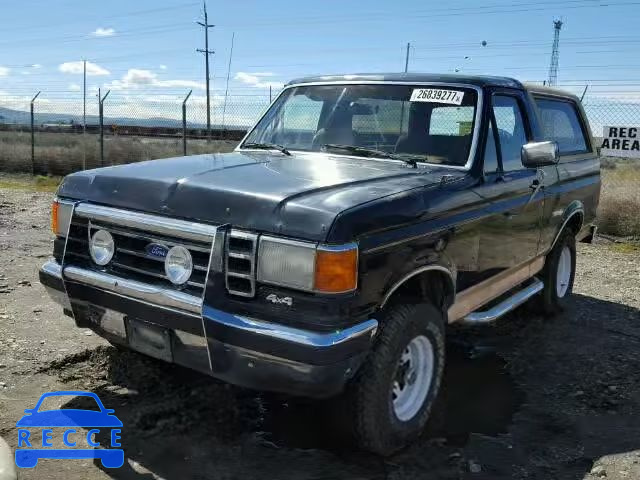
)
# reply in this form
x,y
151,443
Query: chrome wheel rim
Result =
x,y
563,275
413,378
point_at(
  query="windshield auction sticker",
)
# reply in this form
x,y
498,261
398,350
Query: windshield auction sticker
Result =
x,y
437,95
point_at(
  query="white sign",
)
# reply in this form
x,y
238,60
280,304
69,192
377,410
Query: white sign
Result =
x,y
621,142
437,95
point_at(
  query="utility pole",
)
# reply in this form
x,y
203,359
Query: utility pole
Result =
x,y
555,53
406,60
207,52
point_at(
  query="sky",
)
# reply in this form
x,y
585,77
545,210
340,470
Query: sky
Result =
x,y
146,49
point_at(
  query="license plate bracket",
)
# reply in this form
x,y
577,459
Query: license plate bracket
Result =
x,y
150,339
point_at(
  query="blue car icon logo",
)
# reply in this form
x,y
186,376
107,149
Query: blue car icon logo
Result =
x,y
36,433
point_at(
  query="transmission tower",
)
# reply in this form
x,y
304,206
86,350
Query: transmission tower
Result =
x,y
555,53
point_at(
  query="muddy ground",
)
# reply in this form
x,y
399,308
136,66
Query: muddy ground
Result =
x,y
529,398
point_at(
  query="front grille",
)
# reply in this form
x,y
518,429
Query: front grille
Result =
x,y
131,260
240,263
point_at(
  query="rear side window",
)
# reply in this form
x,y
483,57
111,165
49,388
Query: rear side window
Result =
x,y
561,123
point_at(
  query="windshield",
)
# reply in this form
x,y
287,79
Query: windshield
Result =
x,y
432,124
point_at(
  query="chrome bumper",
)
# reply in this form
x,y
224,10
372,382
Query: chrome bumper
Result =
x,y
51,275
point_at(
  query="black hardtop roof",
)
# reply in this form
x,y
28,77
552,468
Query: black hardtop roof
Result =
x,y
475,80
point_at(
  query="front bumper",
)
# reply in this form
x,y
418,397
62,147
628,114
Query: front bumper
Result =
x,y
237,349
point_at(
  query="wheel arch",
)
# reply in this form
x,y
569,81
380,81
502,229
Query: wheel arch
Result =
x,y
573,218
420,282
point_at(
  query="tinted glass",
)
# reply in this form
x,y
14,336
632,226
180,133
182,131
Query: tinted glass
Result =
x,y
430,124
511,132
560,122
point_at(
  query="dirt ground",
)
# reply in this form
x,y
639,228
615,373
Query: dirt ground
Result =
x,y
528,398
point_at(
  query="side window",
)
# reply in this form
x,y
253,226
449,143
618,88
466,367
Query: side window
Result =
x,y
561,123
490,153
511,131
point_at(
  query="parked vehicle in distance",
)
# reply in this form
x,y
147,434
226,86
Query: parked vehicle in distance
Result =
x,y
327,253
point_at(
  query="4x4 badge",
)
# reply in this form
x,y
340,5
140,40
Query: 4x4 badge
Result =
x,y
273,298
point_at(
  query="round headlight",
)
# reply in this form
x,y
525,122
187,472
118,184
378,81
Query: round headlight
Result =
x,y
101,247
178,265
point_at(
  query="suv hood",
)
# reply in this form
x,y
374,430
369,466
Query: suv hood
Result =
x,y
298,195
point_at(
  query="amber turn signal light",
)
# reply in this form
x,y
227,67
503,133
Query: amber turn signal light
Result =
x,y
55,206
336,269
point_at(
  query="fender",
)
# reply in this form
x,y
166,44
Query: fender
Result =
x,y
426,268
575,208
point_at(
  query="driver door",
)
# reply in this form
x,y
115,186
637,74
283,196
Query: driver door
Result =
x,y
514,194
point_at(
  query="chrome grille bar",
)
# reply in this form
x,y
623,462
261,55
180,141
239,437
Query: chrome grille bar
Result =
x,y
150,223
245,280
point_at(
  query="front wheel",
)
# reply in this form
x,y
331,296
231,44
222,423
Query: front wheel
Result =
x,y
393,393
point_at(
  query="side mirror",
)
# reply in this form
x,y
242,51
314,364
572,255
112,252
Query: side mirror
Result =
x,y
540,154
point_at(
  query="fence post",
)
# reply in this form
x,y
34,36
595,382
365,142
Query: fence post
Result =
x,y
33,136
184,124
101,114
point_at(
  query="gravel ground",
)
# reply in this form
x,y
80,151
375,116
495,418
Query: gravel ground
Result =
x,y
528,398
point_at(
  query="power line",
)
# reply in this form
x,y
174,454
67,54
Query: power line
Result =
x,y
102,18
501,9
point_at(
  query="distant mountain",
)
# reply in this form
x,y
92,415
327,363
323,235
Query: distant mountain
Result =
x,y
10,116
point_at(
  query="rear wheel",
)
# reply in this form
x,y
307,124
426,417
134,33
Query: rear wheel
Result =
x,y
394,390
558,274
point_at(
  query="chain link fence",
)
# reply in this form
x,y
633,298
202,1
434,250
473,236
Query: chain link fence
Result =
x,y
137,127
53,141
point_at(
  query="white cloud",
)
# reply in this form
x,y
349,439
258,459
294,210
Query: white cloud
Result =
x,y
36,65
137,78
74,87
103,32
76,68
163,67
4,71
256,79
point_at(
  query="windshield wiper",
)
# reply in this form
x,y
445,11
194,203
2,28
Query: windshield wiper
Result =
x,y
267,146
370,152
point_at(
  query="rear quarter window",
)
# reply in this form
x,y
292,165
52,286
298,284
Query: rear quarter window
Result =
x,y
561,123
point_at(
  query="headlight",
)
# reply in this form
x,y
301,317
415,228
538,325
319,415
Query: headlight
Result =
x,y
305,266
286,263
101,247
60,217
178,265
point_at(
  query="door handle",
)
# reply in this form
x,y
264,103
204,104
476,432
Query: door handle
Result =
x,y
536,185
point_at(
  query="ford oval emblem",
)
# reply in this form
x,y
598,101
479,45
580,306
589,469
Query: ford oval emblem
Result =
x,y
156,250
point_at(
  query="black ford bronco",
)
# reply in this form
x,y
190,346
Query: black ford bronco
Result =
x,y
328,252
